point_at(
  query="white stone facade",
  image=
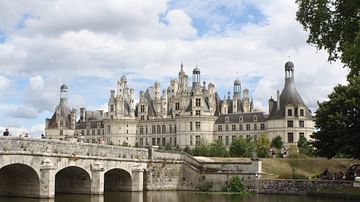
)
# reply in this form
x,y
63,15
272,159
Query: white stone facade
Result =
x,y
184,115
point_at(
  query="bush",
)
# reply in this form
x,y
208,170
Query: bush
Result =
x,y
242,148
277,142
235,185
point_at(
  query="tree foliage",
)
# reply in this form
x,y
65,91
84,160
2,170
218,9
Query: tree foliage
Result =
x,y
333,25
217,148
235,185
241,147
277,142
262,145
304,146
338,122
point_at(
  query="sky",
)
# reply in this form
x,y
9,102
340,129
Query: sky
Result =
x,y
89,45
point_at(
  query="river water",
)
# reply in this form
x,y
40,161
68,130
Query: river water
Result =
x,y
175,197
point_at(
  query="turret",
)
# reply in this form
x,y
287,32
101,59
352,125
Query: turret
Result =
x,y
196,77
246,101
271,104
237,88
63,94
82,114
73,119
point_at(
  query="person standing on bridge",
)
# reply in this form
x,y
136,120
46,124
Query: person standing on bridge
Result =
x,y
6,132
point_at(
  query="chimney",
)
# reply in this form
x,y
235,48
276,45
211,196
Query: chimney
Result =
x,y
278,100
82,114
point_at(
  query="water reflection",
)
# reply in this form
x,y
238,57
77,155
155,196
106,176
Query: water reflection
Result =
x,y
174,197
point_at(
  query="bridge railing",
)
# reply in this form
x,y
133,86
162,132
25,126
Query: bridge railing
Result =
x,y
47,146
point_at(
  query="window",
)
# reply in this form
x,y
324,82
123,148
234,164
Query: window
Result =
x,y
301,124
158,141
240,127
233,138
170,128
87,132
163,129
255,126
220,138
61,123
301,134
227,127
219,127
93,132
301,112
142,108
111,116
146,129
289,112
255,118
262,126
177,106
111,108
197,126
227,119
290,124
233,127
174,128
198,102
191,140
248,126
226,140
108,129
153,130
197,112
141,142
158,129
61,132
142,118
141,130
153,141
191,126
163,141
290,137
241,119
296,112
197,140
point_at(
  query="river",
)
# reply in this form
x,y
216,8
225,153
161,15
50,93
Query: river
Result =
x,y
175,197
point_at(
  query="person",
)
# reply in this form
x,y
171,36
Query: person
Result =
x,y
6,132
26,135
42,136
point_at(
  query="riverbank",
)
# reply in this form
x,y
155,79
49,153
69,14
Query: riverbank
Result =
x,y
348,193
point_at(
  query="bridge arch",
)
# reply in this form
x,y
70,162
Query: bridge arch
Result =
x,y
19,180
117,179
73,180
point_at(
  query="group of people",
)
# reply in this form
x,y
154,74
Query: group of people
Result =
x,y
283,152
7,133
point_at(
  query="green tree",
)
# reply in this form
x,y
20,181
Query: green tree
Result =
x,y
235,185
277,142
262,145
304,146
242,147
201,150
334,25
338,122
218,149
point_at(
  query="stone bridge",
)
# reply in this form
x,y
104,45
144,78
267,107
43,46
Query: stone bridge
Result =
x,y
40,168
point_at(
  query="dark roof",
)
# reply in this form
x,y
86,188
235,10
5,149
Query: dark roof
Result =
x,y
288,96
64,114
247,117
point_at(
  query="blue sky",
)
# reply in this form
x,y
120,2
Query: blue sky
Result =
x,y
90,44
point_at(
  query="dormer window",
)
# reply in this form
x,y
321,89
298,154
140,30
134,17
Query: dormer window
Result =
x,y
226,119
241,119
177,106
255,118
301,112
142,108
289,112
198,102
87,125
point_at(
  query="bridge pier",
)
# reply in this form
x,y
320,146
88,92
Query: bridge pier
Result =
x,y
137,179
97,181
47,179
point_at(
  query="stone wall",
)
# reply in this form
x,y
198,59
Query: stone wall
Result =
x,y
298,187
73,148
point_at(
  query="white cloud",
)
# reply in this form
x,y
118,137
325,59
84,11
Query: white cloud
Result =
x,y
24,112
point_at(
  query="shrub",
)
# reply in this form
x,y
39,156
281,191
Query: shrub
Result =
x,y
235,185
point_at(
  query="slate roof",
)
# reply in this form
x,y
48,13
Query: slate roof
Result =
x,y
247,117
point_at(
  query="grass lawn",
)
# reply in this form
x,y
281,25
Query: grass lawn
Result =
x,y
302,168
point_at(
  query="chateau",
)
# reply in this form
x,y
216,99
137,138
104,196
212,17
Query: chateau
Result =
x,y
183,115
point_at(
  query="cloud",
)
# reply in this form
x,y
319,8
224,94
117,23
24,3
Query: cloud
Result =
x,y
24,112
150,39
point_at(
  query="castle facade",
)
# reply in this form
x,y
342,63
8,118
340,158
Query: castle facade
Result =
x,y
182,115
